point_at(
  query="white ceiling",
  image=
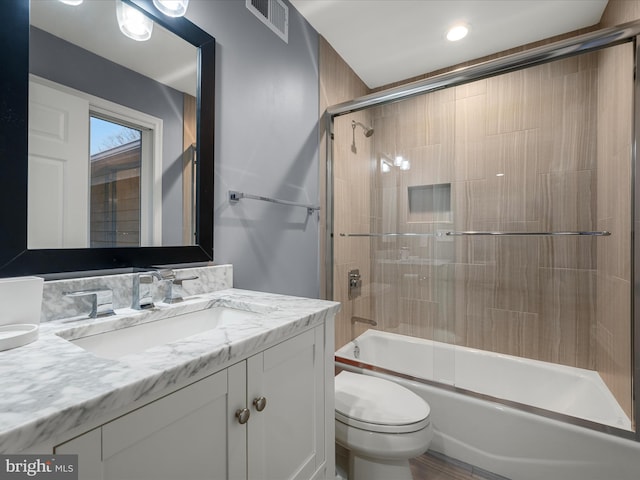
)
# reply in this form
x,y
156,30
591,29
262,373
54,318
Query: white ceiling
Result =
x,y
386,41
93,26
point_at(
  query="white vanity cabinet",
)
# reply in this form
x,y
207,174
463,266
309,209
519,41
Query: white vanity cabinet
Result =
x,y
199,432
182,435
286,440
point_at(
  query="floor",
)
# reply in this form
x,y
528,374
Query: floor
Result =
x,y
436,467
429,466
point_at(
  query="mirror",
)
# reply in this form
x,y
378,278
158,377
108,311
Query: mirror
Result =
x,y
111,124
163,121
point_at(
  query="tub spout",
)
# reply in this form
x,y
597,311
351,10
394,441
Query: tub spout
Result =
x,y
368,321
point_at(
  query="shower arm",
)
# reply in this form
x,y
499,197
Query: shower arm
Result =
x,y
368,131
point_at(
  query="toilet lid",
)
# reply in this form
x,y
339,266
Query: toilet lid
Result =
x,y
378,405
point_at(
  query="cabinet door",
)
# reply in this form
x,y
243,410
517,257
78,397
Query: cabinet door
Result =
x,y
88,447
185,435
286,438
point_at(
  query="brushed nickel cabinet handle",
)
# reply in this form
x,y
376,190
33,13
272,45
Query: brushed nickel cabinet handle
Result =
x,y
243,415
260,403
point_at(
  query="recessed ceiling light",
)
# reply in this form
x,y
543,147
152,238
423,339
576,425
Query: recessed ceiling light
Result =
x,y
457,32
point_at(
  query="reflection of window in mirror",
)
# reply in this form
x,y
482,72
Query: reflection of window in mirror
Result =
x,y
116,161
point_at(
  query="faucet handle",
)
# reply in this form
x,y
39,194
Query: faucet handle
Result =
x,y
166,274
178,281
101,301
145,278
175,292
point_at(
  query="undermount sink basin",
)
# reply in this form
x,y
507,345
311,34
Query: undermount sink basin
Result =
x,y
138,338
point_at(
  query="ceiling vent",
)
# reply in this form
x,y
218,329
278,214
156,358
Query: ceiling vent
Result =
x,y
274,14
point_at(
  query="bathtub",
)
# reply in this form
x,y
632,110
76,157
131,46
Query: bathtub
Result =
x,y
522,436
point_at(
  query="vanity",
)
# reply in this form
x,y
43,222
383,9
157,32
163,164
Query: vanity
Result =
x,y
246,394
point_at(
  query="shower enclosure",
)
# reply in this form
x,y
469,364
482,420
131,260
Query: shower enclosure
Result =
x,y
493,208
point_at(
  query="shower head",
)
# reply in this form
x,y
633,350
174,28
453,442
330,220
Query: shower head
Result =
x,y
367,130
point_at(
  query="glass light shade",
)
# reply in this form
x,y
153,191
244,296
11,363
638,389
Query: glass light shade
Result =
x,y
172,8
133,23
74,3
398,161
405,165
384,167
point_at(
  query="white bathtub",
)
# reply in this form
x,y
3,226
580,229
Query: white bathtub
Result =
x,y
500,438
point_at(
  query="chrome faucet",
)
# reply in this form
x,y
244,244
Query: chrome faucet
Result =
x,y
142,301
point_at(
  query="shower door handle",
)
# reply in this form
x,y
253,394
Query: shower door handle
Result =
x,y
530,234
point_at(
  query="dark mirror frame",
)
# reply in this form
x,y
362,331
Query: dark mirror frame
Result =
x,y
15,258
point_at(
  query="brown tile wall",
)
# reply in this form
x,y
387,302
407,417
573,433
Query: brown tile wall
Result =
x,y
351,180
613,333
613,306
527,296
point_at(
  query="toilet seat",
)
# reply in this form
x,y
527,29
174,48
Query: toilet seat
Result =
x,y
378,405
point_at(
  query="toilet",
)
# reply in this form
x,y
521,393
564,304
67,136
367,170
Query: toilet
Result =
x,y
381,425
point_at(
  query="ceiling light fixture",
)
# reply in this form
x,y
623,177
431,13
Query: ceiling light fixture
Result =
x,y
132,22
73,3
457,32
398,161
172,8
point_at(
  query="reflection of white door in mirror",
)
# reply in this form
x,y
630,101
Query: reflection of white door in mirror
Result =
x,y
58,189
60,195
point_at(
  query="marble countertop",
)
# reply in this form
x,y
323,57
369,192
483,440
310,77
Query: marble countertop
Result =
x,y
52,386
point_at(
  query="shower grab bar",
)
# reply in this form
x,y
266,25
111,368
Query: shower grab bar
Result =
x,y
235,197
389,234
529,234
603,233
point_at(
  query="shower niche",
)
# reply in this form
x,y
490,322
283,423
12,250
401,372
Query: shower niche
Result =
x,y
429,203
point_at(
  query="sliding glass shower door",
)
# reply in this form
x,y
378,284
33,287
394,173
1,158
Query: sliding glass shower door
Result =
x,y
496,215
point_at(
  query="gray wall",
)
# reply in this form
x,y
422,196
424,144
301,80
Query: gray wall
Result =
x,y
267,144
59,61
